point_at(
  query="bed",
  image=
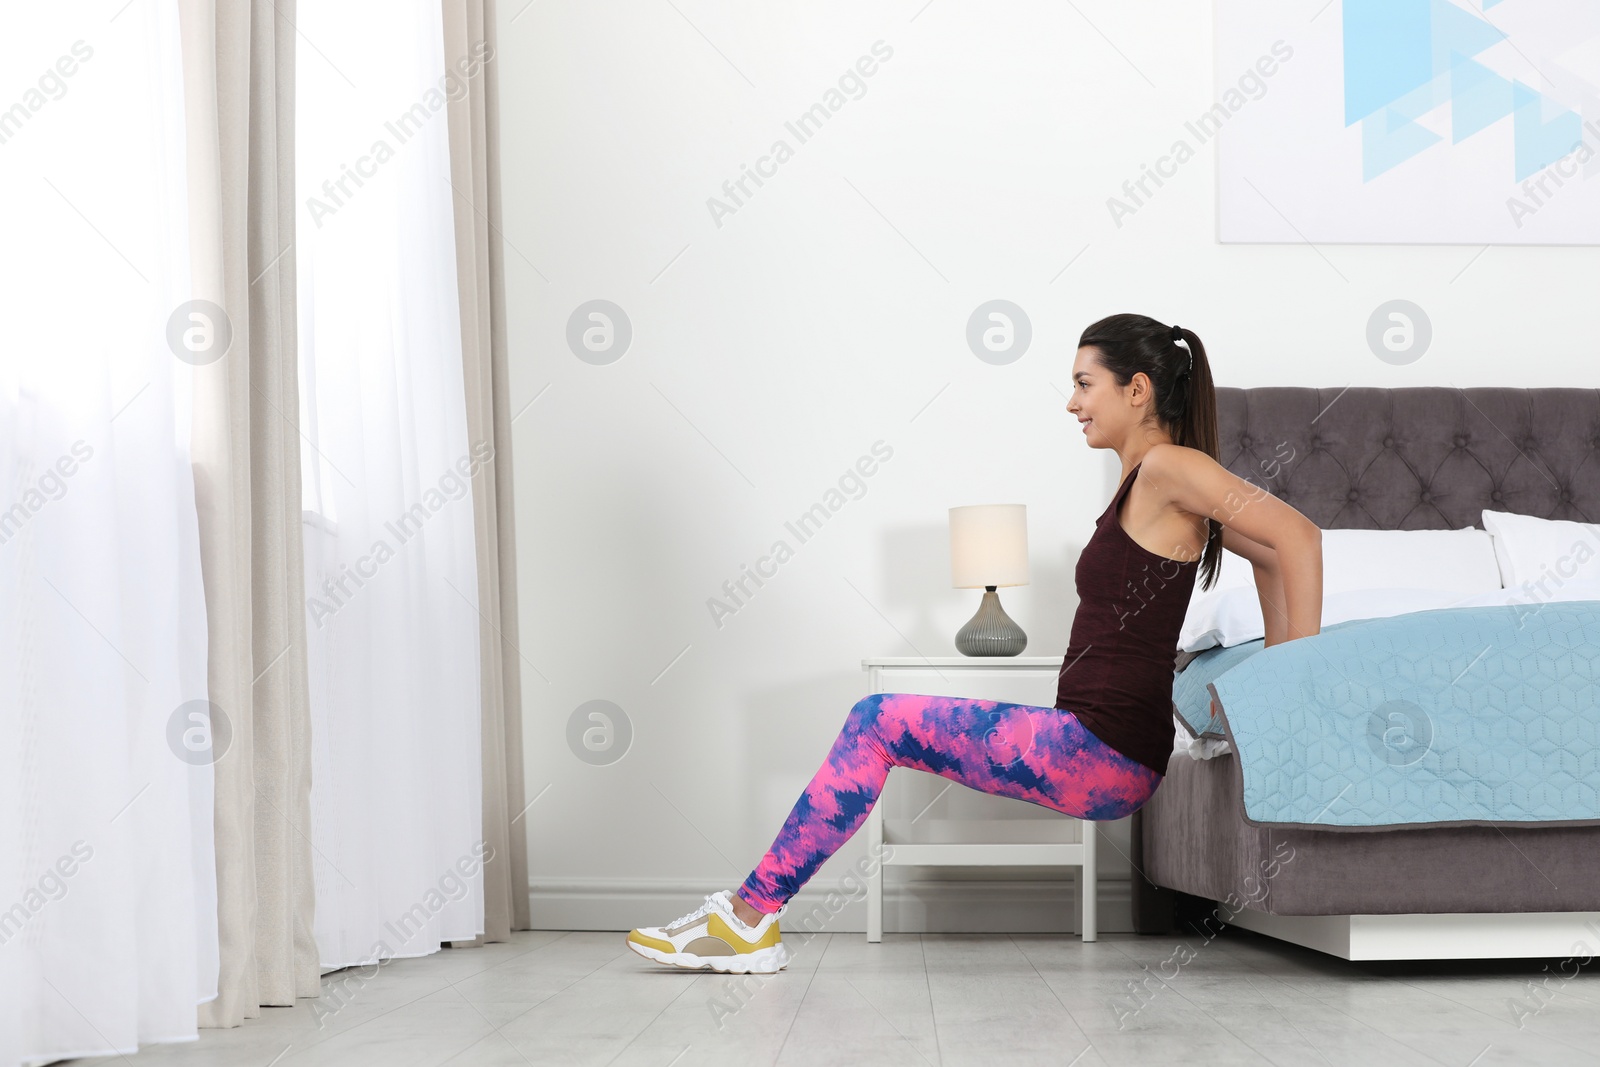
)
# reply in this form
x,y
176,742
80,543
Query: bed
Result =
x,y
1394,459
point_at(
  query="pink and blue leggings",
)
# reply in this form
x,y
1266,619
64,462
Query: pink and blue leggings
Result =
x,y
1041,755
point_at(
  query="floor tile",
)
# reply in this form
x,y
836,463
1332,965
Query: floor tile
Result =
x,y
944,1000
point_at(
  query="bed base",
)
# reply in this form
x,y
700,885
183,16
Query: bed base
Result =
x,y
1436,936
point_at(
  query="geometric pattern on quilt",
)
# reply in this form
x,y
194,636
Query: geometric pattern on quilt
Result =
x,y
1191,697
1486,715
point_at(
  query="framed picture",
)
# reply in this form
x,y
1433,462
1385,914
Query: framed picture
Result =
x,y
1407,121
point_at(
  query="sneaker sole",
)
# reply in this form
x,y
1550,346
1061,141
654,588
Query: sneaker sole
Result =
x,y
767,961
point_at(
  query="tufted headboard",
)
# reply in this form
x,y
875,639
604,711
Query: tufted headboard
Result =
x,y
1420,458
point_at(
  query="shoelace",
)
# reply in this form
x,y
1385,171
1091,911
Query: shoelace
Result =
x,y
709,905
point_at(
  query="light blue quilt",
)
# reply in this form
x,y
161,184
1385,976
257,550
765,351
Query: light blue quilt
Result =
x,y
1478,715
1191,691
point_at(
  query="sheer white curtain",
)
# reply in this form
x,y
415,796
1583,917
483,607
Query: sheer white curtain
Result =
x,y
108,933
391,573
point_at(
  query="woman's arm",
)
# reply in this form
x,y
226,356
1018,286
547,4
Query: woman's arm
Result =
x,y
1283,546
1269,584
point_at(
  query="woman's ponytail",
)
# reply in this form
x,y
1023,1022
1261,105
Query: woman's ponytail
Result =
x,y
1196,427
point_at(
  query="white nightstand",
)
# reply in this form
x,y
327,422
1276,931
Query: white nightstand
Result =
x,y
998,847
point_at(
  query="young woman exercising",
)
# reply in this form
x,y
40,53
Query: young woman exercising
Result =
x,y
1143,390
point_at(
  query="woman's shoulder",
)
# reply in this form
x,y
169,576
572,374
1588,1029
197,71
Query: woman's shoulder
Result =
x,y
1175,470
1173,463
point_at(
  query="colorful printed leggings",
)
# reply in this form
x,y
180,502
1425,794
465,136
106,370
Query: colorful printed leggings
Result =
x,y
1041,755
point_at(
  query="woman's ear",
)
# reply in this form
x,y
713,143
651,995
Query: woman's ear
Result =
x,y
1140,389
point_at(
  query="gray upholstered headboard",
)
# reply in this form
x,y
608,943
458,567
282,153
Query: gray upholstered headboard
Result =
x,y
1422,458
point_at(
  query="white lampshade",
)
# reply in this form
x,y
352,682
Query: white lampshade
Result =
x,y
989,545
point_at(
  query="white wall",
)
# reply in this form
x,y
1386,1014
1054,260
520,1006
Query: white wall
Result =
x,y
829,312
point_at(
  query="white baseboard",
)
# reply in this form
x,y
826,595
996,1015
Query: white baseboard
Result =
x,y
943,906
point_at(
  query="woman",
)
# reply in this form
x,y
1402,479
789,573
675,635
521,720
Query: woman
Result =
x,y
1143,390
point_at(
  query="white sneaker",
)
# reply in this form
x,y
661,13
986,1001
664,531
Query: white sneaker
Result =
x,y
713,937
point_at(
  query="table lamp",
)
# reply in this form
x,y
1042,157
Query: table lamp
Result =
x,y
988,549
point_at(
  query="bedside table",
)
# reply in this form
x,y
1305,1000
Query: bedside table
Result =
x,y
988,843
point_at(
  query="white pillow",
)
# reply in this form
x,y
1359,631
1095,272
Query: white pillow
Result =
x,y
1544,554
1461,562
1576,588
1235,617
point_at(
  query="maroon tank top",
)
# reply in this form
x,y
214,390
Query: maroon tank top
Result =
x,y
1117,674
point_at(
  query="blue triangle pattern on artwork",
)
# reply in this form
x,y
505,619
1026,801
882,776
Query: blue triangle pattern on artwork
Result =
x,y
1478,97
1389,139
1421,100
1387,53
1540,142
1405,58
1455,30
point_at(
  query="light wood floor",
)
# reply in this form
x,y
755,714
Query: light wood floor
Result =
x,y
932,999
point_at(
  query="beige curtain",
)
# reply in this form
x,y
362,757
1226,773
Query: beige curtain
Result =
x,y
239,96
469,43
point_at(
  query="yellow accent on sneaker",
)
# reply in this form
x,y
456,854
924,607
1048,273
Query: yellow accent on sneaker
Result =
x,y
718,927
651,942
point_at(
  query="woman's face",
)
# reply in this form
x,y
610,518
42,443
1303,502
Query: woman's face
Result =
x,y
1109,412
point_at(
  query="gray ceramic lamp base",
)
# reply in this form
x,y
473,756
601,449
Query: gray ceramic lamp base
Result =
x,y
991,632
